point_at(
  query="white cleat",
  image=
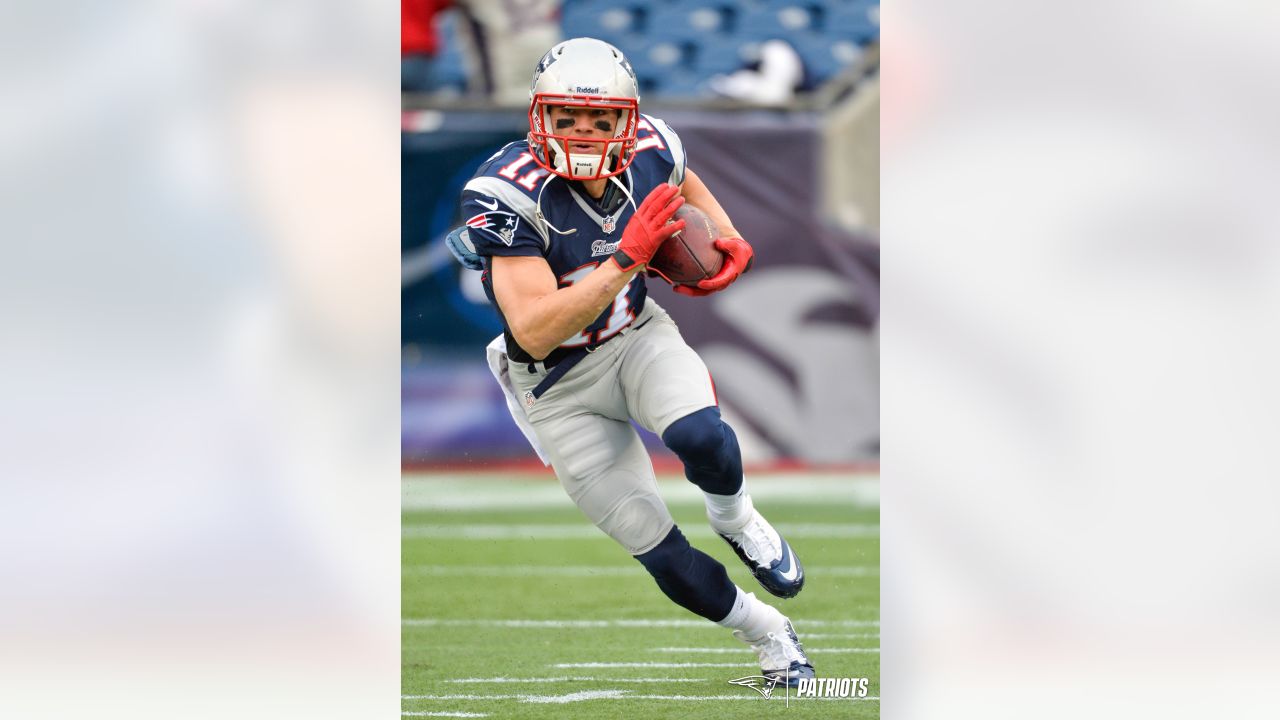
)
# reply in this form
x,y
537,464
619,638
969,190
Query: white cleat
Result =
x,y
782,657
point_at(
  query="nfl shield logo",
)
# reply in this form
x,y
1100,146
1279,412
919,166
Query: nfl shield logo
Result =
x,y
608,225
528,398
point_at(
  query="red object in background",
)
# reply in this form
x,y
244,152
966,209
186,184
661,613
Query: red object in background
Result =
x,y
418,26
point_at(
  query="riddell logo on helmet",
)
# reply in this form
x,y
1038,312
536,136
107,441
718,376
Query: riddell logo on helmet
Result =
x,y
587,90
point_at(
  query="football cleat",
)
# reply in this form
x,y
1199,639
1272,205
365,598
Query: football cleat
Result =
x,y
782,657
768,556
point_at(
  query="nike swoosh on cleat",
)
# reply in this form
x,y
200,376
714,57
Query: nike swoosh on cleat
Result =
x,y
788,569
482,203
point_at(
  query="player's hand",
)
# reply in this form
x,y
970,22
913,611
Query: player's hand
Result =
x,y
648,228
459,242
738,259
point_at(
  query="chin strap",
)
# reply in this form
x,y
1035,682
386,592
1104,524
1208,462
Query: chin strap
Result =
x,y
538,205
538,209
625,191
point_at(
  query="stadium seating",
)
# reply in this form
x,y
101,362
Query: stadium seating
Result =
x,y
675,46
824,56
688,23
777,20
858,21
447,72
723,55
721,36
612,22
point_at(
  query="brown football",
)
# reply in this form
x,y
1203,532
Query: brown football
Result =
x,y
689,255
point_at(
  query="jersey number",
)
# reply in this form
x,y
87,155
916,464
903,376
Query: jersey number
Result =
x,y
528,181
654,140
620,314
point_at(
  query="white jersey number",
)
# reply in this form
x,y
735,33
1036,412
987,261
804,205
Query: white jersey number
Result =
x,y
620,315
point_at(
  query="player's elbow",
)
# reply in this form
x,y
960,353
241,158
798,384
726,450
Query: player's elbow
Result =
x,y
534,342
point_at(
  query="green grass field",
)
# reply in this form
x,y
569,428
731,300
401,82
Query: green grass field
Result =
x,y
515,606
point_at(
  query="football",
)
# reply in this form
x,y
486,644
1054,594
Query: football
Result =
x,y
689,255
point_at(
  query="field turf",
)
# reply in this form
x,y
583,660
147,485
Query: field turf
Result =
x,y
513,605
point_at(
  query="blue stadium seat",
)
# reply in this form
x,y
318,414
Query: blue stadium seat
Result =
x,y
720,4
611,23
779,20
654,62
825,57
721,56
686,23
682,85
858,21
606,4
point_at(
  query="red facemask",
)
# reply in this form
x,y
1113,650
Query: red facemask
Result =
x,y
544,140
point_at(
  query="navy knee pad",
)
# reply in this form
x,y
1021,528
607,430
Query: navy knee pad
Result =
x,y
709,450
692,579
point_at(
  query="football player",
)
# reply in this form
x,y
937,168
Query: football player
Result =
x,y
563,223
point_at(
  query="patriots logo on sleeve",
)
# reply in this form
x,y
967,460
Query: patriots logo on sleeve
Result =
x,y
498,223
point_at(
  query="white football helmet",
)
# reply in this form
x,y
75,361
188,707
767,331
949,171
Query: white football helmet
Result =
x,y
587,73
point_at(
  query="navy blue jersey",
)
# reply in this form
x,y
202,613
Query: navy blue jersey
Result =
x,y
501,206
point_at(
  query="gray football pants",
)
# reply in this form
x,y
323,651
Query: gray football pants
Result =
x,y
648,374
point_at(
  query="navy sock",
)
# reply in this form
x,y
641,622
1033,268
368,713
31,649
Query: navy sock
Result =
x,y
709,450
691,578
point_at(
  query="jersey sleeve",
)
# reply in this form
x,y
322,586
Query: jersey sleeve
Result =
x,y
501,220
657,137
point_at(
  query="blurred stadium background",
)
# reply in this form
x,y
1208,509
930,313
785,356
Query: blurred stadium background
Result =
x,y
777,102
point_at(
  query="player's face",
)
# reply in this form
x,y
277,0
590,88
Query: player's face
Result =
x,y
587,123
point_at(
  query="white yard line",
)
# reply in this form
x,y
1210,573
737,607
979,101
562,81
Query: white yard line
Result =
x,y
632,623
575,697
752,696
621,694
602,571
571,697
445,714
470,492
634,570
838,636
650,665
584,531
504,680
725,651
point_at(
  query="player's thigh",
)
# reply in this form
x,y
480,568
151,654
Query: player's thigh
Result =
x,y
663,379
604,468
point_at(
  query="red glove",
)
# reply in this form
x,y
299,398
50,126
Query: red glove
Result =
x,y
738,257
648,228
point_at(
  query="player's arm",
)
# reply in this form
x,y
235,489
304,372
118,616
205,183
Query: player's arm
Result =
x,y
541,315
738,253
697,194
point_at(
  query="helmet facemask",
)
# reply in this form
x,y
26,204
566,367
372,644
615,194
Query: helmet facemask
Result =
x,y
554,151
